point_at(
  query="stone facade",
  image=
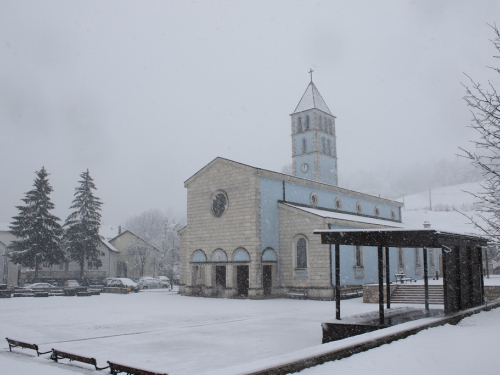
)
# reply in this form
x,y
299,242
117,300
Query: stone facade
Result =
x,y
249,230
137,257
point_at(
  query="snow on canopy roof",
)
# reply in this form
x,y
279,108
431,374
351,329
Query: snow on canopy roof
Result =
x,y
312,99
347,217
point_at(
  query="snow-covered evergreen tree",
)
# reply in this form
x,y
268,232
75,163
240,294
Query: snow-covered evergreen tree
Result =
x,y
81,236
39,231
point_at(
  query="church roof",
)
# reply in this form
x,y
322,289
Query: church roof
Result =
x,y
346,216
312,99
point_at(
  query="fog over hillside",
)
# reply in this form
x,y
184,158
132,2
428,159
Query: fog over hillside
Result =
x,y
394,180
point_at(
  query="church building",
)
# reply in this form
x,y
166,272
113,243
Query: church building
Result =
x,y
249,231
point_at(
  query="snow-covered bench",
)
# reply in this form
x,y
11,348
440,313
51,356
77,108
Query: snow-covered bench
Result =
x,y
58,354
296,293
117,368
24,345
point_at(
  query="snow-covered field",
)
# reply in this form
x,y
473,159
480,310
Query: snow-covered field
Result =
x,y
167,332
471,347
163,330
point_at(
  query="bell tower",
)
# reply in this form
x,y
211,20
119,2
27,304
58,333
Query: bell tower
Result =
x,y
314,151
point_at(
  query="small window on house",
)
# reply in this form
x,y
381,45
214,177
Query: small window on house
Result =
x,y
417,257
93,265
432,262
329,147
323,145
338,204
308,123
299,125
320,124
358,257
304,145
301,253
63,266
359,208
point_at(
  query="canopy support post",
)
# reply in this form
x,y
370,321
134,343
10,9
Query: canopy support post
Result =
x,y
387,278
380,253
426,281
337,281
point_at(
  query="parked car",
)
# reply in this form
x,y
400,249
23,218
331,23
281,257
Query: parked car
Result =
x,y
71,284
40,286
165,281
122,282
148,282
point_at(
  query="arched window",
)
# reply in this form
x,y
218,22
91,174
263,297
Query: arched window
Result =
x,y
269,255
304,145
241,255
299,125
329,147
219,256
308,123
320,124
198,257
301,253
323,145
330,126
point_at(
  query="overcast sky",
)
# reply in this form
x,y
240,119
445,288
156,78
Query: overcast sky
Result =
x,y
145,93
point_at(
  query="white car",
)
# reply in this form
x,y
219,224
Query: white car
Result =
x,y
40,286
148,282
165,281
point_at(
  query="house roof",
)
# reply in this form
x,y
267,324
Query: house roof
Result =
x,y
135,235
312,99
108,245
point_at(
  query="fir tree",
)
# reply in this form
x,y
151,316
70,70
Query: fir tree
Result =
x,y
39,231
81,237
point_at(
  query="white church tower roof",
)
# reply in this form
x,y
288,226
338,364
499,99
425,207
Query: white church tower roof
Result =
x,y
312,99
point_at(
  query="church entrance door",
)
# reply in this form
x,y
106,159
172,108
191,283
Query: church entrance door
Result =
x,y
242,280
220,280
267,280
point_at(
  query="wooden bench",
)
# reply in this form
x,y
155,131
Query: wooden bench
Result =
x,y
117,368
58,354
296,293
24,345
83,294
351,292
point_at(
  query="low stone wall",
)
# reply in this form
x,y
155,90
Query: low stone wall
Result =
x,y
491,292
370,292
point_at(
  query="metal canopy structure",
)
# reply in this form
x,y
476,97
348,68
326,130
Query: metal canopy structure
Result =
x,y
462,262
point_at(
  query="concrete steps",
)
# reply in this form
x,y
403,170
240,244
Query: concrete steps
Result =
x,y
416,294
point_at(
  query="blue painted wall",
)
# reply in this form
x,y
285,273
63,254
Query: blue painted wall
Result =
x,y
347,262
271,190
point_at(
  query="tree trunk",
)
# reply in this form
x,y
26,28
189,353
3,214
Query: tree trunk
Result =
x,y
36,269
81,269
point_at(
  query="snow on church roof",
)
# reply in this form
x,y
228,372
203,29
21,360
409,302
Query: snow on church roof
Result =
x,y
347,217
312,99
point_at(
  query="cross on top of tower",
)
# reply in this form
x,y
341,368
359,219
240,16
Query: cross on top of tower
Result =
x,y
311,73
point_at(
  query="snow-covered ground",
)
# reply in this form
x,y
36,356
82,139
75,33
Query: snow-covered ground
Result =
x,y
164,331
467,348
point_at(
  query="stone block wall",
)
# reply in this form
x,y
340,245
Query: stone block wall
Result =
x,y
370,293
